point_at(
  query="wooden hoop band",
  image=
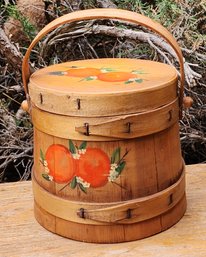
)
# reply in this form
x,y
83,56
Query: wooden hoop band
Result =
x,y
125,212
105,14
102,129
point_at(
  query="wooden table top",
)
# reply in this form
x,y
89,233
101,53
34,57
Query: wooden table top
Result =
x,y
22,236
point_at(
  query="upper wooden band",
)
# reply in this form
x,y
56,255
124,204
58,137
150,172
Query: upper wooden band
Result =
x,y
106,128
106,14
125,212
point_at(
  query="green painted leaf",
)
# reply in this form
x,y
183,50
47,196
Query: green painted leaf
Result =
x,y
128,82
82,188
116,156
120,167
89,78
58,73
42,155
72,147
108,69
138,80
138,72
73,183
83,145
46,176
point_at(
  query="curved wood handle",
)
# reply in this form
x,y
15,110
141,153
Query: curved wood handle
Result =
x,y
106,14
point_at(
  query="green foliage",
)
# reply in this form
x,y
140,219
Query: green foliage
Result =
x,y
142,51
166,12
189,15
132,5
28,28
3,13
163,11
87,4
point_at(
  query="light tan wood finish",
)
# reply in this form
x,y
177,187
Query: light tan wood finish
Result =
x,y
127,212
22,236
134,125
77,96
128,113
25,106
110,233
187,102
153,164
106,128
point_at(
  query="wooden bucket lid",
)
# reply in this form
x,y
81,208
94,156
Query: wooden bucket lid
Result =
x,y
103,87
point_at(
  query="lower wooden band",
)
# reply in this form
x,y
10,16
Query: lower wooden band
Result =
x,y
125,212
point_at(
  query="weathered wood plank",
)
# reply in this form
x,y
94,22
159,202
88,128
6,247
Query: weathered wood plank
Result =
x,y
22,236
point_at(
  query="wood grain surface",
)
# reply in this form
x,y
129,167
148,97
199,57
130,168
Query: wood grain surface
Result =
x,y
87,96
152,163
22,236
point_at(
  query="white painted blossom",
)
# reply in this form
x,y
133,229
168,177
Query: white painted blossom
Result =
x,y
86,184
132,79
79,179
82,182
45,163
50,178
46,170
82,151
113,174
107,70
114,166
104,70
93,77
76,156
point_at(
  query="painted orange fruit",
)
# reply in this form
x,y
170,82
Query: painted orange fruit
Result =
x,y
94,167
60,163
83,72
115,76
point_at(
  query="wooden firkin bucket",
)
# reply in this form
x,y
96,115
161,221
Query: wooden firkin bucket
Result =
x,y
107,156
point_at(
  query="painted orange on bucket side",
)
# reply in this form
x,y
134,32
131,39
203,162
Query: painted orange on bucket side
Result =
x,y
60,163
94,167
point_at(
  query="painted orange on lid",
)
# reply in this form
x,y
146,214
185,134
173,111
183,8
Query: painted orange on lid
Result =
x,y
100,79
93,76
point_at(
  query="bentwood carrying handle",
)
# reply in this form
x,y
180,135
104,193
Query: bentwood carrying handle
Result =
x,y
102,13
